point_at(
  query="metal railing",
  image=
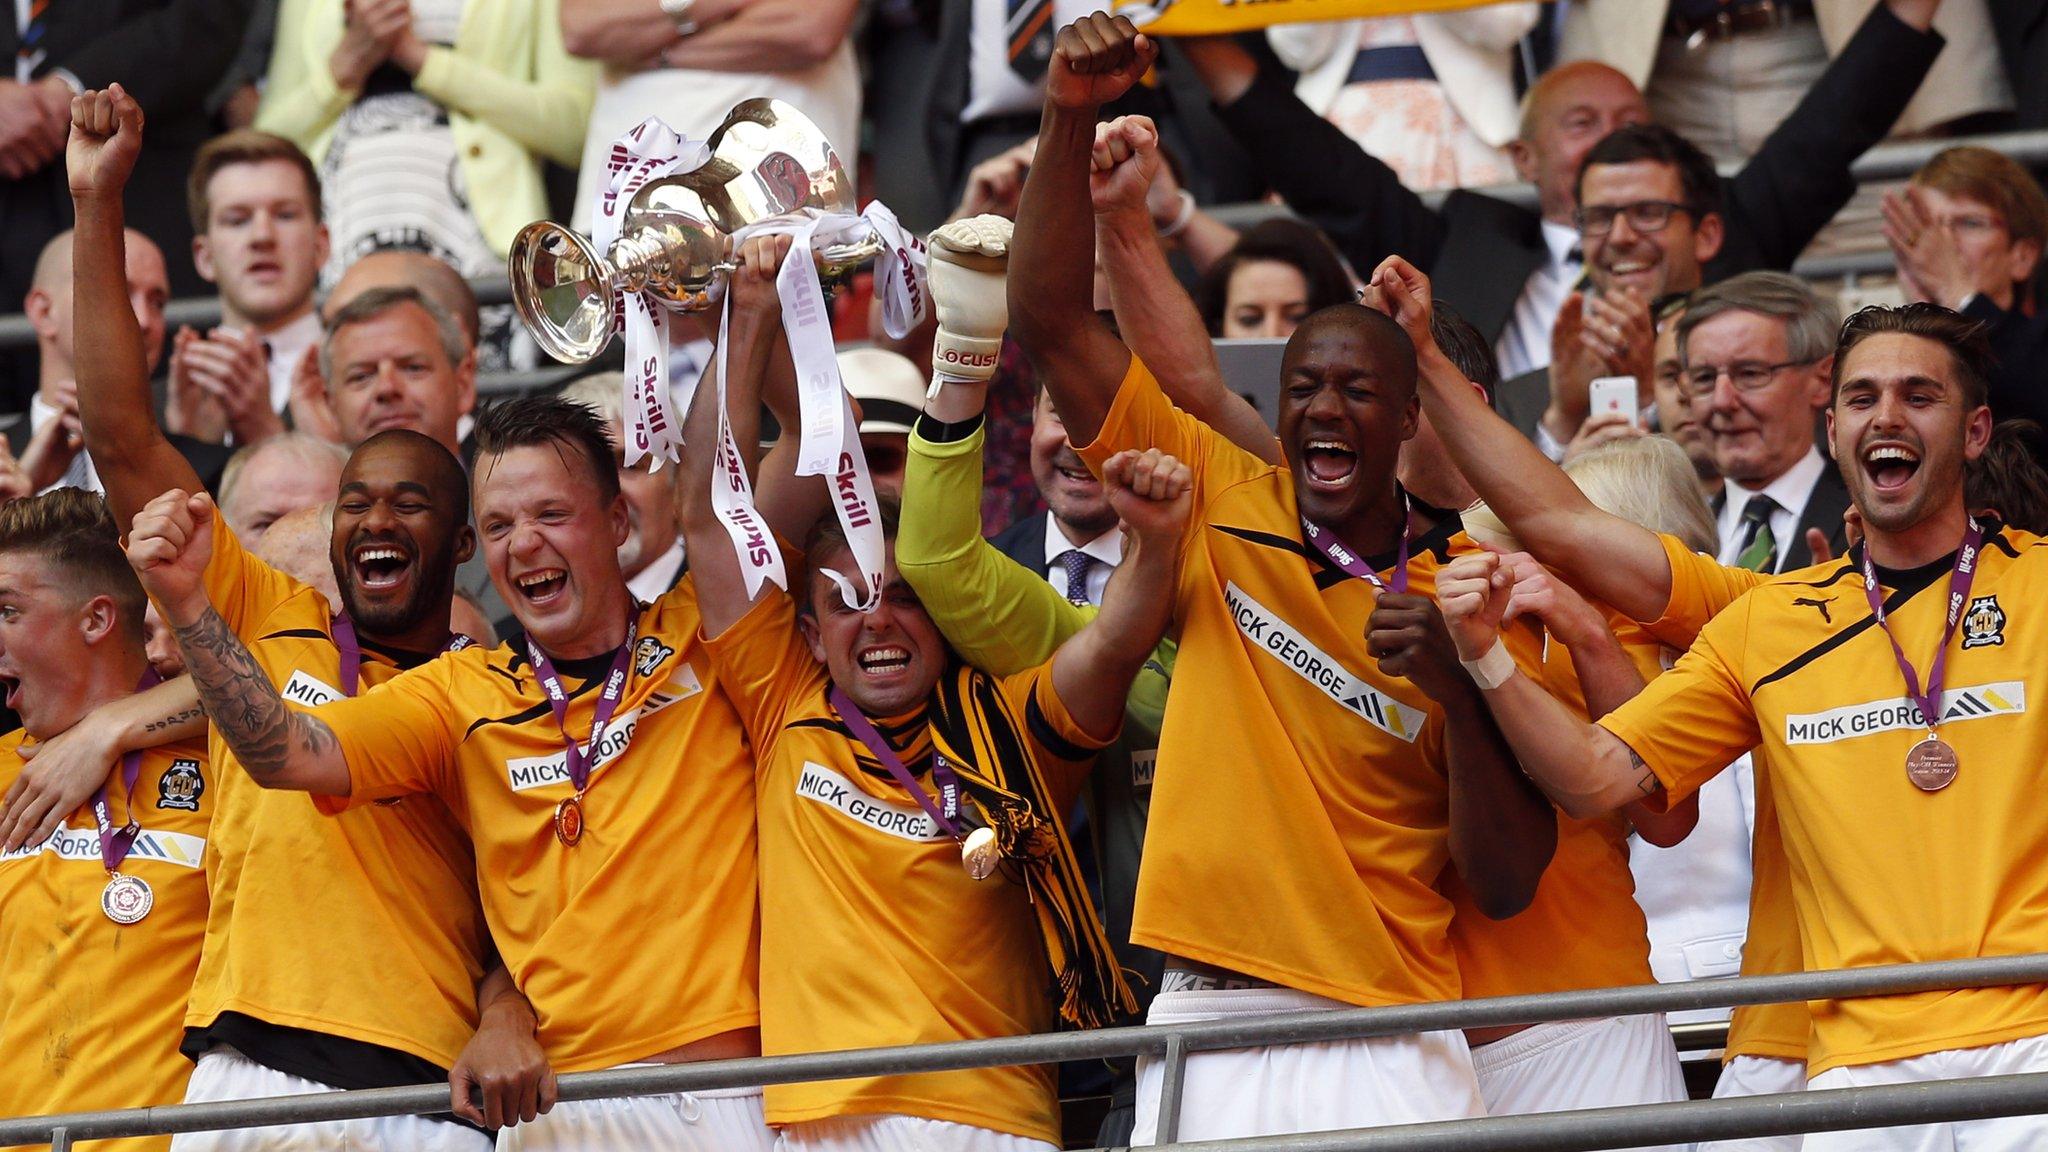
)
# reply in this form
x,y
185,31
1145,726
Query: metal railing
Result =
x,y
1548,1132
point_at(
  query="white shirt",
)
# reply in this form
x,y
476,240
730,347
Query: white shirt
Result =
x,y
1790,490
650,582
1108,548
993,87
1524,345
81,473
1695,894
287,347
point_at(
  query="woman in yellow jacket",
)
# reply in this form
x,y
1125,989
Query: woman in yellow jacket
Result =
x,y
429,120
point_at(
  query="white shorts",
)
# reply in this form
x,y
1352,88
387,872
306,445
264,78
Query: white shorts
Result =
x,y
1580,1064
1758,1076
2005,1134
893,1133
1303,1087
225,1074
719,1120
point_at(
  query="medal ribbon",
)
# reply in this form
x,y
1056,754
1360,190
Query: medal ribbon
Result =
x,y
1339,553
942,774
115,843
351,649
1959,580
578,761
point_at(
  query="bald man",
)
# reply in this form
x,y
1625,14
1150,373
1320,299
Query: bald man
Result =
x,y
1508,269
266,482
57,457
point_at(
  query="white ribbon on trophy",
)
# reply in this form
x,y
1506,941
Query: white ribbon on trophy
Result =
x,y
829,435
649,152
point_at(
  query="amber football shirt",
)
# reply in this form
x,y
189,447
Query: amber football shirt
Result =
x,y
1882,872
1583,928
89,1009
643,936
1701,587
1300,810
300,902
874,933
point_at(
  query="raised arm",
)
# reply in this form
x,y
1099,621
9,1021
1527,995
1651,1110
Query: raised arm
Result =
x,y
1155,314
134,460
1093,671
1095,60
279,747
753,331
1612,559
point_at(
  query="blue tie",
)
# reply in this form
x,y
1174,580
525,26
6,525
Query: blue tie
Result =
x,y
1078,565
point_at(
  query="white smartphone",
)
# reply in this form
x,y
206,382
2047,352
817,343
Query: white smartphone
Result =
x,y
1614,395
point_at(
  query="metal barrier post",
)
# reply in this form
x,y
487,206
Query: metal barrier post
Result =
x,y
60,1140
1169,1088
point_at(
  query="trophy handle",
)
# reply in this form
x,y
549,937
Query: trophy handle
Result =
x,y
563,290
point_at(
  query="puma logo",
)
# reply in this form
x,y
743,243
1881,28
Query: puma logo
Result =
x,y
1822,605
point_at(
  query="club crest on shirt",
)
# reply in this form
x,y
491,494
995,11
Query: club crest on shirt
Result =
x,y
180,786
1984,623
649,655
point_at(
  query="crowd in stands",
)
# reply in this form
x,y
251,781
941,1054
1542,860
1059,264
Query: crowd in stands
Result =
x,y
1280,566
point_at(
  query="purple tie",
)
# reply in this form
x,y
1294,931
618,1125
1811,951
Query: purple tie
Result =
x,y
1078,565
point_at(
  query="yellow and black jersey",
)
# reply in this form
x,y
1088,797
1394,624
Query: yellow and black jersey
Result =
x,y
874,931
1882,872
1583,928
297,897
641,937
90,1009
1300,811
1700,588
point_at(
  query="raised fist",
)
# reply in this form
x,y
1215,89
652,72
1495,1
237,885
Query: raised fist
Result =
x,y
169,546
1473,591
1150,493
106,137
1124,165
969,270
1095,60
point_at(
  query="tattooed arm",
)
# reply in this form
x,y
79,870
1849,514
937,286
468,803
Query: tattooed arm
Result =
x,y
168,547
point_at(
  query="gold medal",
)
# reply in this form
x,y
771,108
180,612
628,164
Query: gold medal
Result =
x,y
569,821
1931,765
126,899
980,854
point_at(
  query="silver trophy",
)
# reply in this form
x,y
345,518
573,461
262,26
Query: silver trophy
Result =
x,y
767,160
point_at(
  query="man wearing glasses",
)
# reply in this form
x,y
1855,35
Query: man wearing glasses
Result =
x,y
1758,350
1649,220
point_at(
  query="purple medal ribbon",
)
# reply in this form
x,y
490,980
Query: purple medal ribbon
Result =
x,y
344,631
578,761
1339,553
942,774
115,843
1959,580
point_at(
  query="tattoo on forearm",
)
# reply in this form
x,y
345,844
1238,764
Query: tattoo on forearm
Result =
x,y
1647,782
173,720
244,705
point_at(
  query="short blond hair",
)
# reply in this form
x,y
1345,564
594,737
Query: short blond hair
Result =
x,y
73,530
1648,480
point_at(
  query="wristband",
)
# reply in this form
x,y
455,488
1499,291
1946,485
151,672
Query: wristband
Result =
x,y
1180,220
1493,669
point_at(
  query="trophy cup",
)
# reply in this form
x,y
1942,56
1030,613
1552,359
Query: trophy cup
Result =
x,y
767,160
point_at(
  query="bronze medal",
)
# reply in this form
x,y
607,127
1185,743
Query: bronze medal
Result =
x,y
126,899
569,821
1931,765
980,854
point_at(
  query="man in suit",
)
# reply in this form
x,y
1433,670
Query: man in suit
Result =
x,y
169,54
1650,220
1758,351
1074,542
1508,268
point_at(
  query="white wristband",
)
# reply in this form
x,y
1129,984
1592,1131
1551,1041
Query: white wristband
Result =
x,y
1179,223
1493,669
